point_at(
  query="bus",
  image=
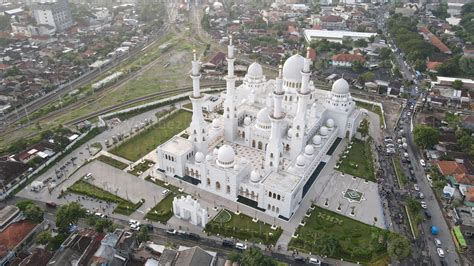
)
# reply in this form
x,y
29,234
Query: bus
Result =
x,y
459,239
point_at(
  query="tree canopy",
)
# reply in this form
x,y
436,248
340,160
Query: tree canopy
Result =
x,y
398,247
69,214
252,257
31,210
426,136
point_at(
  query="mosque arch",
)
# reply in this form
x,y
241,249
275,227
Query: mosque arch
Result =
x,y
218,186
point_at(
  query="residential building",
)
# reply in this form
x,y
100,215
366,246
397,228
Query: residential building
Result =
x,y
346,60
55,13
336,36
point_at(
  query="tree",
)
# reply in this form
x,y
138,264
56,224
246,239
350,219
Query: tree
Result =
x,y
426,136
466,64
398,247
4,23
364,128
34,213
143,234
457,84
413,205
357,66
360,43
44,238
235,256
385,53
367,76
103,225
69,214
22,205
329,245
254,257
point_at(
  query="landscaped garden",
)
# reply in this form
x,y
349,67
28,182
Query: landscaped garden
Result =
x,y
229,224
146,141
334,235
124,207
141,167
112,162
358,160
163,211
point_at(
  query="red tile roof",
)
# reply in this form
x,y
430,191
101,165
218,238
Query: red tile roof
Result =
x,y
217,58
348,58
435,40
433,65
470,194
465,179
13,235
331,18
449,168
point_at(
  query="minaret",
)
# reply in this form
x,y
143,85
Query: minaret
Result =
x,y
275,147
299,122
230,108
198,133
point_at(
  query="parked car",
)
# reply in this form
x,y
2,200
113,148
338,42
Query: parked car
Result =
x,y
51,204
228,243
171,232
423,205
165,192
422,162
427,214
131,221
241,246
135,227
416,187
194,237
299,258
437,242
428,177
101,215
421,196
314,261
440,252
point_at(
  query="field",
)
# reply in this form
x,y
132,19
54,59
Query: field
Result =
x,y
241,226
146,141
359,161
337,236
124,207
112,162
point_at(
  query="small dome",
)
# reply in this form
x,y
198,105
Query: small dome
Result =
x,y
199,157
317,140
323,131
247,121
300,161
215,123
309,150
255,70
292,68
208,157
216,151
263,116
340,86
255,176
226,156
330,123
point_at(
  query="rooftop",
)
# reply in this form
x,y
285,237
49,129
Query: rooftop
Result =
x,y
13,235
335,34
177,145
449,168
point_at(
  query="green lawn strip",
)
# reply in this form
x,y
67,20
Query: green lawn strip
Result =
x,y
124,207
146,141
163,184
359,161
188,105
141,167
373,108
401,177
112,162
337,236
242,227
163,211
414,219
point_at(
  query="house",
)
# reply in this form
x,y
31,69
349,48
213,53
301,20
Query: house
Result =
x,y
332,22
468,122
39,257
216,61
9,170
432,66
12,237
195,256
450,168
8,215
434,40
346,60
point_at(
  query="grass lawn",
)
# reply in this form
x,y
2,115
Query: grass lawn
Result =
x,y
373,108
124,207
163,211
112,162
141,167
359,161
146,141
242,227
402,178
163,185
337,236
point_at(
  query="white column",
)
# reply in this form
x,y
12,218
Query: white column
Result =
x,y
198,124
230,112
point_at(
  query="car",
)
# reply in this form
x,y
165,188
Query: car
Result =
x,y
421,196
149,227
131,221
422,162
314,261
240,246
391,151
228,243
135,227
165,192
428,177
416,187
427,214
388,139
423,205
171,232
405,154
390,145
440,252
88,176
101,215
51,204
437,242
299,258
194,237
182,233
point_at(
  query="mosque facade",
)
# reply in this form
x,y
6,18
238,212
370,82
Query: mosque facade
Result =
x,y
273,138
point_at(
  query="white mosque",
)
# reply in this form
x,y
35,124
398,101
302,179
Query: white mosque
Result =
x,y
272,141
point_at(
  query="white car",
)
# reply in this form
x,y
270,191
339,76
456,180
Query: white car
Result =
x,y
390,145
131,221
429,178
421,196
416,187
422,163
135,227
171,231
101,215
241,246
165,192
440,252
423,205
314,261
405,154
437,242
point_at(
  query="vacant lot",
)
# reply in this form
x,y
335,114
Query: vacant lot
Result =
x,y
146,141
